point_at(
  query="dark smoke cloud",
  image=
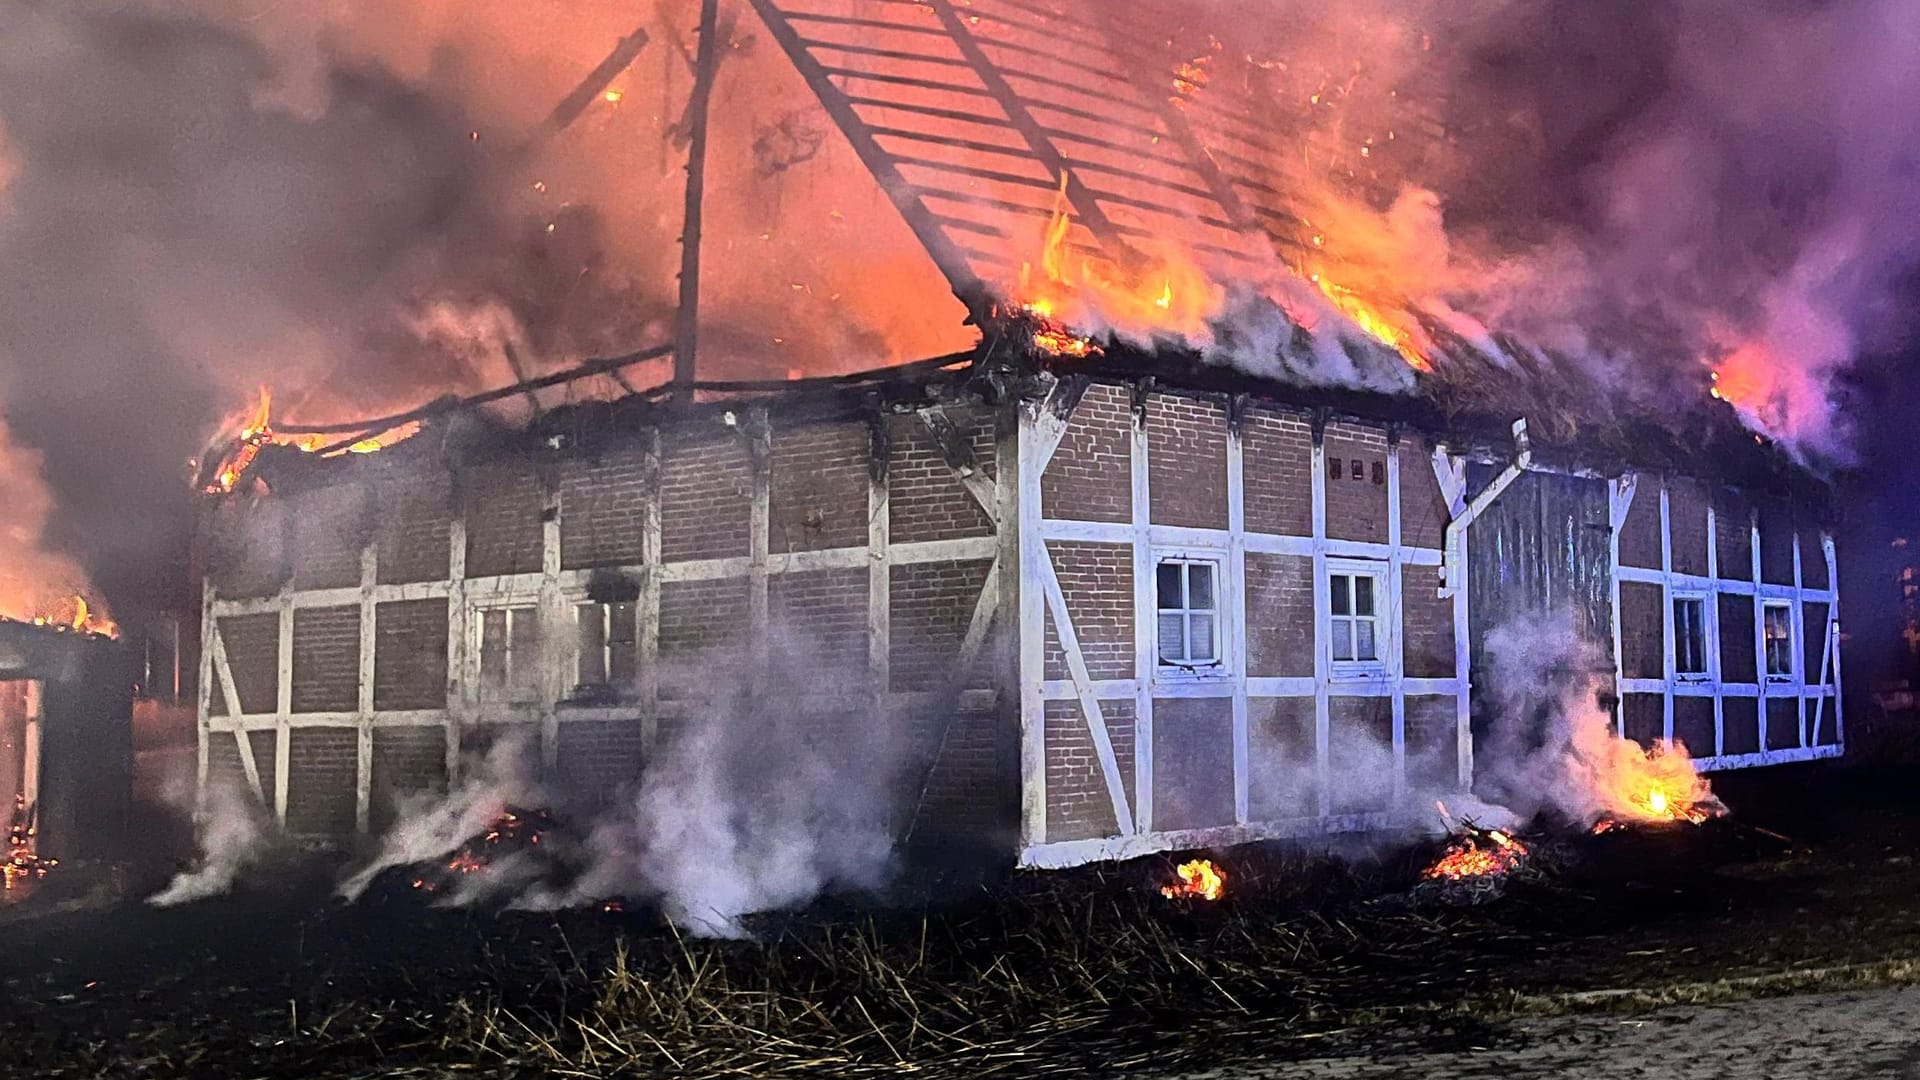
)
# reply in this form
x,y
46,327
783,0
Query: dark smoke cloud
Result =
x,y
171,236
1659,188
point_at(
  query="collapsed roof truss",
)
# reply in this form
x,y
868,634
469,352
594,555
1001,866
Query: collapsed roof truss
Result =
x,y
979,121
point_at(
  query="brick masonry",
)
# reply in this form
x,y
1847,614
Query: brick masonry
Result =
x,y
253,654
1192,763
1279,616
1280,753
1740,726
1277,456
931,606
820,481
407,762
820,624
410,655
925,501
1187,461
1640,535
960,791
1423,509
597,759
1642,631
1432,744
1693,724
332,525
603,502
1097,580
1687,518
414,536
703,631
1426,625
320,785
1091,475
1357,495
706,500
505,502
1079,806
326,659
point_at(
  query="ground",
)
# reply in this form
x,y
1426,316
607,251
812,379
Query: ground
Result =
x,y
1824,1036
1782,938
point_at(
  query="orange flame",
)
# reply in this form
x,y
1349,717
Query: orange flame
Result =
x,y
1073,294
1375,322
255,431
1199,880
76,614
1655,786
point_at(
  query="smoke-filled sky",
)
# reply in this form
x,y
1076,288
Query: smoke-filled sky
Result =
x,y
198,196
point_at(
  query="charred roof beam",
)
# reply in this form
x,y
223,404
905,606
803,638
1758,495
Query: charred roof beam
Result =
x,y
946,255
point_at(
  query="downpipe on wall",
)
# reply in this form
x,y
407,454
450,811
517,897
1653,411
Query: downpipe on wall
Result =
x,y
1456,538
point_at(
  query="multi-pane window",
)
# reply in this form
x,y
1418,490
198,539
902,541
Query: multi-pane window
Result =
x,y
1776,626
1189,611
509,653
608,654
1690,635
1354,597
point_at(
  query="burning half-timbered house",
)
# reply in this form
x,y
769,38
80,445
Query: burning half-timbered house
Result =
x,y
1110,597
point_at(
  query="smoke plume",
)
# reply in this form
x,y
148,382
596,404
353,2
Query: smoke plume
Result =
x,y
233,837
1552,748
754,802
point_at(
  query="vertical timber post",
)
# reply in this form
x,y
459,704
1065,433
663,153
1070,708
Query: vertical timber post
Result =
x,y
363,707
698,111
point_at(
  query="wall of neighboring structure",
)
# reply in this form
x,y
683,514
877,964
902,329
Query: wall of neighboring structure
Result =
x,y
1751,703
1124,753
349,662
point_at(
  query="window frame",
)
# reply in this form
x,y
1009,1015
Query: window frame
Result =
x,y
607,684
1385,619
1792,672
1220,667
480,692
1707,639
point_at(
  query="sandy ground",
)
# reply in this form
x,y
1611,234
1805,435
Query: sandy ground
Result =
x,y
1873,1033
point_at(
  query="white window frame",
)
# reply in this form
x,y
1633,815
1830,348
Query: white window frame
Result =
x,y
1793,644
1386,618
1707,642
574,604
1218,667
515,608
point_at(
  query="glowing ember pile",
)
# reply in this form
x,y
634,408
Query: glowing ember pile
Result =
x,y
1199,880
513,831
22,863
1478,853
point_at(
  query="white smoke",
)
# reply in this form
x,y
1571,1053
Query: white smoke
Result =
x,y
233,836
753,803
431,827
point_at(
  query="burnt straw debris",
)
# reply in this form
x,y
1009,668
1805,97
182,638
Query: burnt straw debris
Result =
x,y
1062,973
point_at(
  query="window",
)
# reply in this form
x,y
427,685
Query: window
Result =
x,y
1189,610
608,655
509,653
1690,636
1354,596
1777,627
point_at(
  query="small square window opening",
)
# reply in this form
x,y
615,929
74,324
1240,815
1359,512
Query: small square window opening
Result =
x,y
1187,593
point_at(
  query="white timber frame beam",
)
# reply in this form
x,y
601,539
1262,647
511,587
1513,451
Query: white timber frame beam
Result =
x,y
1145,660
1042,423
